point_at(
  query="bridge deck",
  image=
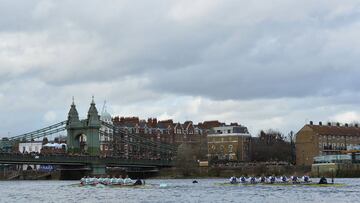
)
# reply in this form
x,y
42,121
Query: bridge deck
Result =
x,y
9,158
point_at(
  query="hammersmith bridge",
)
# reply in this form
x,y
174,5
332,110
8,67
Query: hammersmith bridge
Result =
x,y
83,146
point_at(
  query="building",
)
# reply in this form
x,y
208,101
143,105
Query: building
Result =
x,y
316,140
30,147
106,133
165,131
229,142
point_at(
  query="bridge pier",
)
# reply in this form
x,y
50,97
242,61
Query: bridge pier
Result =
x,y
98,169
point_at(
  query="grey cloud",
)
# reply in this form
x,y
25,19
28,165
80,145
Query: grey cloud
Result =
x,y
137,53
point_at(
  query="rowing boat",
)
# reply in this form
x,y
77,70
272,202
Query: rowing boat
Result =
x,y
284,184
99,185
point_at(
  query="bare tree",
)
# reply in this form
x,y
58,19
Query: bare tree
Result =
x,y
271,145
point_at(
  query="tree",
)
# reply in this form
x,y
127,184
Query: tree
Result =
x,y
271,145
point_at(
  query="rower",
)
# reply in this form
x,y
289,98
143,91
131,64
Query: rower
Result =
x,y
82,180
107,180
294,179
127,180
113,180
284,179
242,179
306,179
101,180
233,180
120,180
262,179
252,180
272,179
87,180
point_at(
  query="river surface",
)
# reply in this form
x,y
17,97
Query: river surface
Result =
x,y
178,190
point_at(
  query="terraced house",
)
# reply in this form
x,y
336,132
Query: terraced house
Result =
x,y
165,131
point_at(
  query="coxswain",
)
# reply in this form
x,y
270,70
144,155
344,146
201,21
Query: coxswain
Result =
x,y
138,182
323,180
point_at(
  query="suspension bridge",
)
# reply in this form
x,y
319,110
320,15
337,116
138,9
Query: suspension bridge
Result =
x,y
83,146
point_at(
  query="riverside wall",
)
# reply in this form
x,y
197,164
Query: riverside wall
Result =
x,y
225,172
339,170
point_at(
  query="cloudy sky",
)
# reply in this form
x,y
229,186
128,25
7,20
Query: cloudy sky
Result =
x,y
265,64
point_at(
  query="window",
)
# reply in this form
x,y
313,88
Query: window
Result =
x,y
30,149
229,131
222,148
230,148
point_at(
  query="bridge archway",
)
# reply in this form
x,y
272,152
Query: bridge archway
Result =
x,y
82,142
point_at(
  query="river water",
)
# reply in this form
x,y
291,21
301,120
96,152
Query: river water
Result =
x,y
178,190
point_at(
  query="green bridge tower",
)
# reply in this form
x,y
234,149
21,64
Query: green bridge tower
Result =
x,y
83,135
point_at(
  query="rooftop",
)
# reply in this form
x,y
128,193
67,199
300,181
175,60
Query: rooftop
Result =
x,y
335,129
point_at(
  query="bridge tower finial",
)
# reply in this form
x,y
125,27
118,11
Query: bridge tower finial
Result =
x,y
73,100
92,100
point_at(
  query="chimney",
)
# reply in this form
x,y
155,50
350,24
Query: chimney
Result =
x,y
320,123
329,124
311,123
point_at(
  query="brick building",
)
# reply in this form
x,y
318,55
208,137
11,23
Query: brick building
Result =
x,y
332,138
229,142
165,131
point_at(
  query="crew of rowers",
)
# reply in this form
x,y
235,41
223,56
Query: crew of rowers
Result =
x,y
107,181
270,179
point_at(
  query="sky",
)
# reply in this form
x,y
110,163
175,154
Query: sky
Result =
x,y
265,64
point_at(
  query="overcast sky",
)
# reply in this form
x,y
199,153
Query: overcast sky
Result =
x,y
265,64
